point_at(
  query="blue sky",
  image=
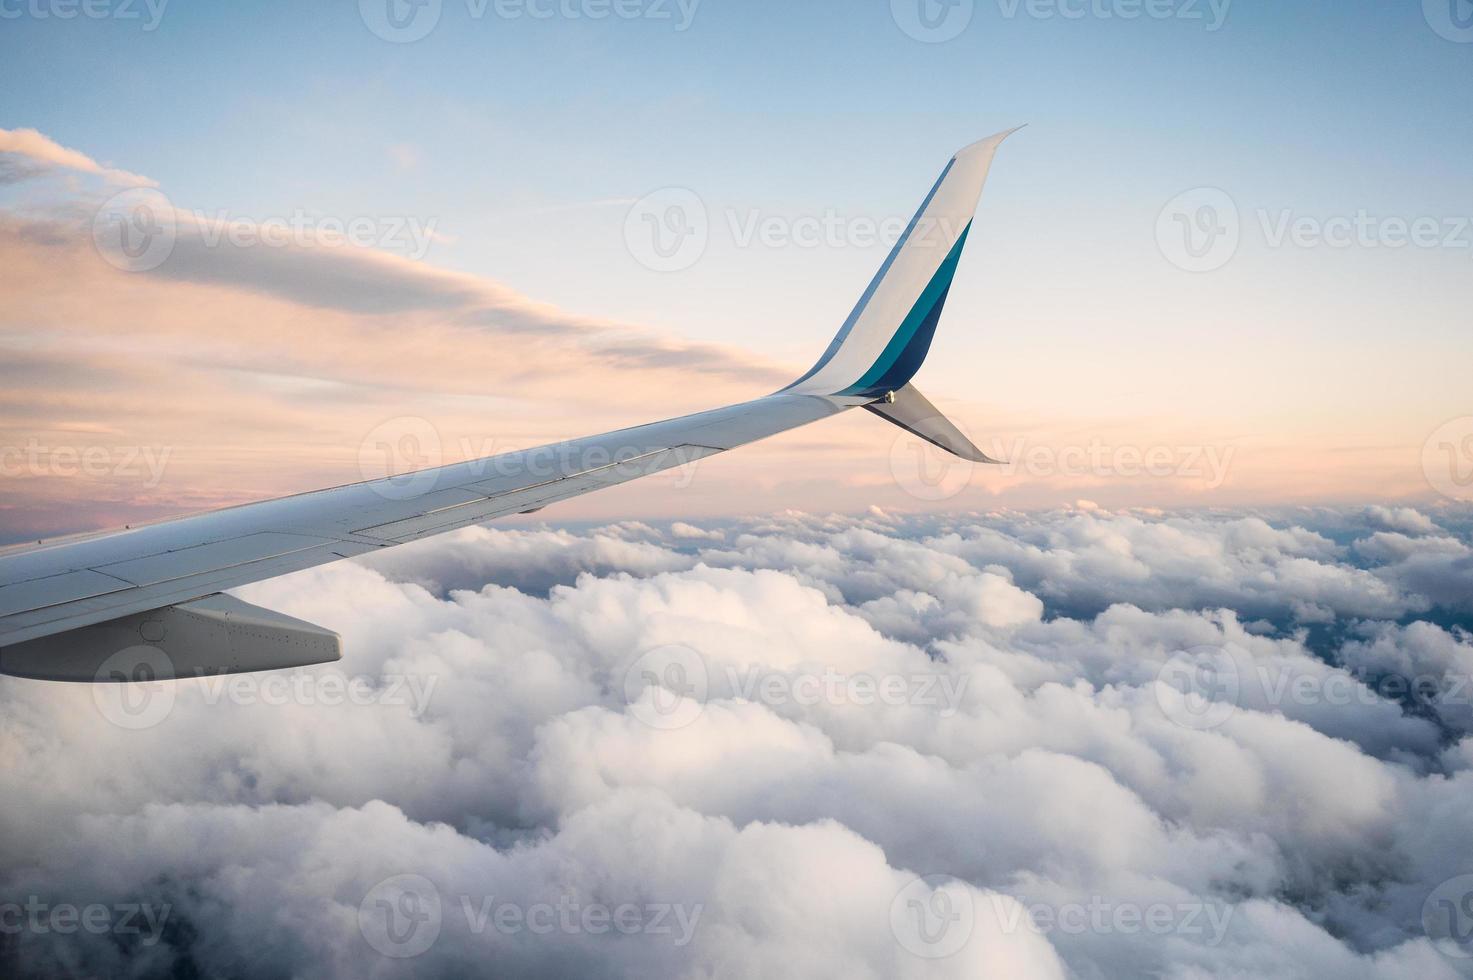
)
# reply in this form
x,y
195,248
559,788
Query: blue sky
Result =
x,y
782,106
526,141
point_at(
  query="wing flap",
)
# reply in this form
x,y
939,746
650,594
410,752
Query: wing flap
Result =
x,y
52,590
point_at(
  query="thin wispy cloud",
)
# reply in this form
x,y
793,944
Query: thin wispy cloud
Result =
x,y
26,153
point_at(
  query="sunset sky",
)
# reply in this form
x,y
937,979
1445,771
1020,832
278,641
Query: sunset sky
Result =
x,y
500,166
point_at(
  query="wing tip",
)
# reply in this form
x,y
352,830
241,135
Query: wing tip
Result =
x,y
987,144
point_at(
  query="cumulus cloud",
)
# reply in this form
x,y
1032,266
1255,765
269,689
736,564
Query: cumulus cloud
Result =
x,y
1407,520
1016,746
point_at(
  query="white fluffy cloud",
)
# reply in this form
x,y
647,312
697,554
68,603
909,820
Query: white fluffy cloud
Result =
x,y
1076,744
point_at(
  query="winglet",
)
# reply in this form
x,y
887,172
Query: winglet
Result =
x,y
885,340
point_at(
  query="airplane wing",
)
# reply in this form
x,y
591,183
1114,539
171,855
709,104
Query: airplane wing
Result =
x,y
148,602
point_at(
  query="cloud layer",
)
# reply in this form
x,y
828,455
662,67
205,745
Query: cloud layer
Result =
x,y
1073,744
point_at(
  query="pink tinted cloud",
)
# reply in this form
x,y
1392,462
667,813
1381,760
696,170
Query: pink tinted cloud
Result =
x,y
26,152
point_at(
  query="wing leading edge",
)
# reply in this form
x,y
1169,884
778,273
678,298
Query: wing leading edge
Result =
x,y
70,608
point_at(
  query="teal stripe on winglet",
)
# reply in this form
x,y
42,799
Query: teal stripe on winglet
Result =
x,y
934,293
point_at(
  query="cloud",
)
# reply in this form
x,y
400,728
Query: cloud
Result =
x,y
1407,520
26,153
1437,567
291,346
879,744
